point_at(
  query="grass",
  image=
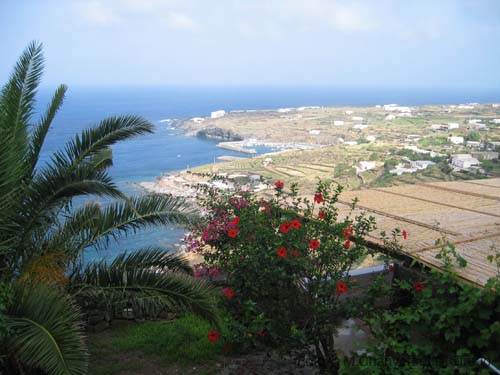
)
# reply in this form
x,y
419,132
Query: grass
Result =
x,y
179,343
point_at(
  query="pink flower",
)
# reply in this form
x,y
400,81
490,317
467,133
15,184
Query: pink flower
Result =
x,y
214,272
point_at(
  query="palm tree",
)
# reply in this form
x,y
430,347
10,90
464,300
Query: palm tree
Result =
x,y
43,236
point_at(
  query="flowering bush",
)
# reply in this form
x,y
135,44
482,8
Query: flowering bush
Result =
x,y
287,262
436,326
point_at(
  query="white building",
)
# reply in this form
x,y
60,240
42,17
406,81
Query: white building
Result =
x,y
436,127
396,108
456,140
306,107
350,143
357,118
464,161
400,170
390,117
371,138
417,150
474,144
217,114
338,122
284,110
314,132
360,127
453,125
478,126
475,121
197,120
496,121
365,166
422,164
349,112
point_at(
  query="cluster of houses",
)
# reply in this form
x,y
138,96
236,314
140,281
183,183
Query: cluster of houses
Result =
x,y
472,162
411,166
445,127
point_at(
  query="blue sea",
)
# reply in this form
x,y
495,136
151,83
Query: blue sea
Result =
x,y
146,157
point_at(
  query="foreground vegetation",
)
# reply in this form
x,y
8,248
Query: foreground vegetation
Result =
x,y
47,292
283,265
172,346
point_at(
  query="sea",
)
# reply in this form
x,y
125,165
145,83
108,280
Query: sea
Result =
x,y
146,157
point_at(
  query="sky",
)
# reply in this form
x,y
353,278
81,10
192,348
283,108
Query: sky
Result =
x,y
358,43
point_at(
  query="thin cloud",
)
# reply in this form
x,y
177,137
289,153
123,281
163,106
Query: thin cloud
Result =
x,y
98,14
181,22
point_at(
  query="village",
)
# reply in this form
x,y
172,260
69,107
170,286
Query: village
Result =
x,y
358,147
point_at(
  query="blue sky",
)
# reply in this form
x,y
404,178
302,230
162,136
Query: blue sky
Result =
x,y
381,43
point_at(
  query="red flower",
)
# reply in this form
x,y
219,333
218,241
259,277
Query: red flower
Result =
x,y
267,209
228,292
295,253
321,214
260,332
418,286
346,233
281,252
232,233
279,184
236,220
296,224
213,335
318,198
347,244
405,234
285,227
341,287
391,267
313,244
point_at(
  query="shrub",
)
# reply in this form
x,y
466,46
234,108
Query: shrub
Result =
x,y
438,325
287,262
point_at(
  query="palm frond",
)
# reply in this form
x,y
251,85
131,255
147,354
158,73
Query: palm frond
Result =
x,y
16,107
40,131
17,100
96,139
47,333
153,257
147,291
121,218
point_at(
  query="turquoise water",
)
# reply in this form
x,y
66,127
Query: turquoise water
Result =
x,y
146,157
